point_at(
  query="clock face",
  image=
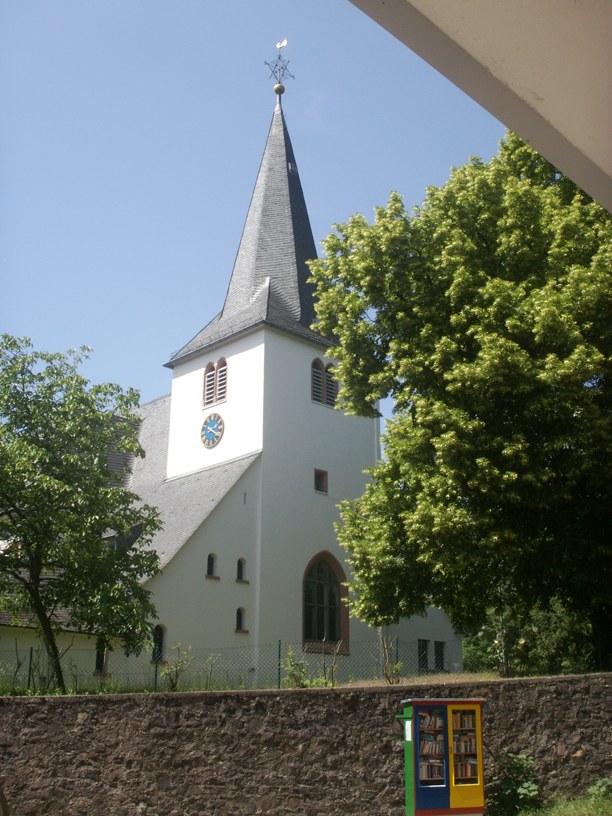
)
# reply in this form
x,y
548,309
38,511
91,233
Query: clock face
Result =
x,y
212,430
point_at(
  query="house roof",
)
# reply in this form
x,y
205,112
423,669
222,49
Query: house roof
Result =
x,y
184,503
269,282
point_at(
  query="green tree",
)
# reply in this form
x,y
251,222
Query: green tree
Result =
x,y
73,540
541,640
487,316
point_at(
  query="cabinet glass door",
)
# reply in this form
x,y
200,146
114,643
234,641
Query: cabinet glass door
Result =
x,y
465,747
466,756
431,758
432,747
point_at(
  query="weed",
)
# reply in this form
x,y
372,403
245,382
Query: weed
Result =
x,y
513,785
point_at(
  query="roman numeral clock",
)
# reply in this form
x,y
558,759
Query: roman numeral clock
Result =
x,y
212,430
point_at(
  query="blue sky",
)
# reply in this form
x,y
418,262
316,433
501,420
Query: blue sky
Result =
x,y
131,133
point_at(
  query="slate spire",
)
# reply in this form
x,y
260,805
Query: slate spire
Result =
x,y
269,280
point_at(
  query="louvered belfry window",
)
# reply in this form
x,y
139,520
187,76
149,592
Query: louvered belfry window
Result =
x,y
330,387
221,380
209,384
215,382
317,381
323,386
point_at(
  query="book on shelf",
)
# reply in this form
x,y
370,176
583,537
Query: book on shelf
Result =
x,y
432,721
465,743
430,744
464,720
466,769
432,769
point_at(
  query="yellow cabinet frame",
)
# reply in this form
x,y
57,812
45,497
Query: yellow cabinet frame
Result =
x,y
465,755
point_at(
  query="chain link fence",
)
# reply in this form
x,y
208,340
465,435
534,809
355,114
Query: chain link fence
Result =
x,y
276,665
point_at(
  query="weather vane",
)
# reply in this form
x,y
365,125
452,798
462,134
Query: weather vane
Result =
x,y
279,69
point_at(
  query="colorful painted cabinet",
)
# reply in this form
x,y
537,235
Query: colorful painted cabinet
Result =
x,y
443,757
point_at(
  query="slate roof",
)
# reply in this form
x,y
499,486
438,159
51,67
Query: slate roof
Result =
x,y
185,502
269,280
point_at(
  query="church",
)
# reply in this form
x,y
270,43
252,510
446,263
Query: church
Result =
x,y
246,460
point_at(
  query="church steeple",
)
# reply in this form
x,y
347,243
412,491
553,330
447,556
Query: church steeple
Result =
x,y
269,280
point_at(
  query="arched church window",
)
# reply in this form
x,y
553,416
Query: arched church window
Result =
x,y
323,386
241,620
158,644
211,566
325,615
241,569
215,382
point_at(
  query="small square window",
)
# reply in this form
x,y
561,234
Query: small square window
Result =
x,y
320,481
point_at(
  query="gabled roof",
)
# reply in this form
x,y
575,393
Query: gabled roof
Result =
x,y
269,280
183,503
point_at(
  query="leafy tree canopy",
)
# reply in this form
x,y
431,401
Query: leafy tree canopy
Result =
x,y
487,316
73,541
536,641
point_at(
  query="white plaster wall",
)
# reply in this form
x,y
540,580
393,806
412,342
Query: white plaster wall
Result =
x,y
297,522
201,612
436,625
23,638
299,436
23,656
242,411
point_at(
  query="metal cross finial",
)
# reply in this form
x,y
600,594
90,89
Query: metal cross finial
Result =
x,y
279,68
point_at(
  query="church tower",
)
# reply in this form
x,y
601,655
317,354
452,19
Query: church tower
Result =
x,y
249,457
255,381
268,289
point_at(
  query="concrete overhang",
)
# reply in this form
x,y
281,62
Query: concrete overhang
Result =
x,y
542,67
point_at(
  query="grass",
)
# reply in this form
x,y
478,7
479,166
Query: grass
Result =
x,y
574,807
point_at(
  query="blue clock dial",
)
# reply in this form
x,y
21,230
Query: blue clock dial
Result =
x,y
212,430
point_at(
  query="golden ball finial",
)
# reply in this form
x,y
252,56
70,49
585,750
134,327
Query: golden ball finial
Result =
x,y
279,89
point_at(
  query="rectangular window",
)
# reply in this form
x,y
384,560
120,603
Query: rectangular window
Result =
x,y
422,654
100,659
439,655
320,481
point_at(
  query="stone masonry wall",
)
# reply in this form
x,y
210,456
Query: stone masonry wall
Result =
x,y
315,752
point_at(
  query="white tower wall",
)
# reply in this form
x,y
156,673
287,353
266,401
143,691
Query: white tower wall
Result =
x,y
242,410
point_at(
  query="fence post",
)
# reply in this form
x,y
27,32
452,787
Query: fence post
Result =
x,y
279,664
30,667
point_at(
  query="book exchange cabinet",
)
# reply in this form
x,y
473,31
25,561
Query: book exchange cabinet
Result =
x,y
443,757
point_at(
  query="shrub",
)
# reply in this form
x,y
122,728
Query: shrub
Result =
x,y
602,789
513,785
